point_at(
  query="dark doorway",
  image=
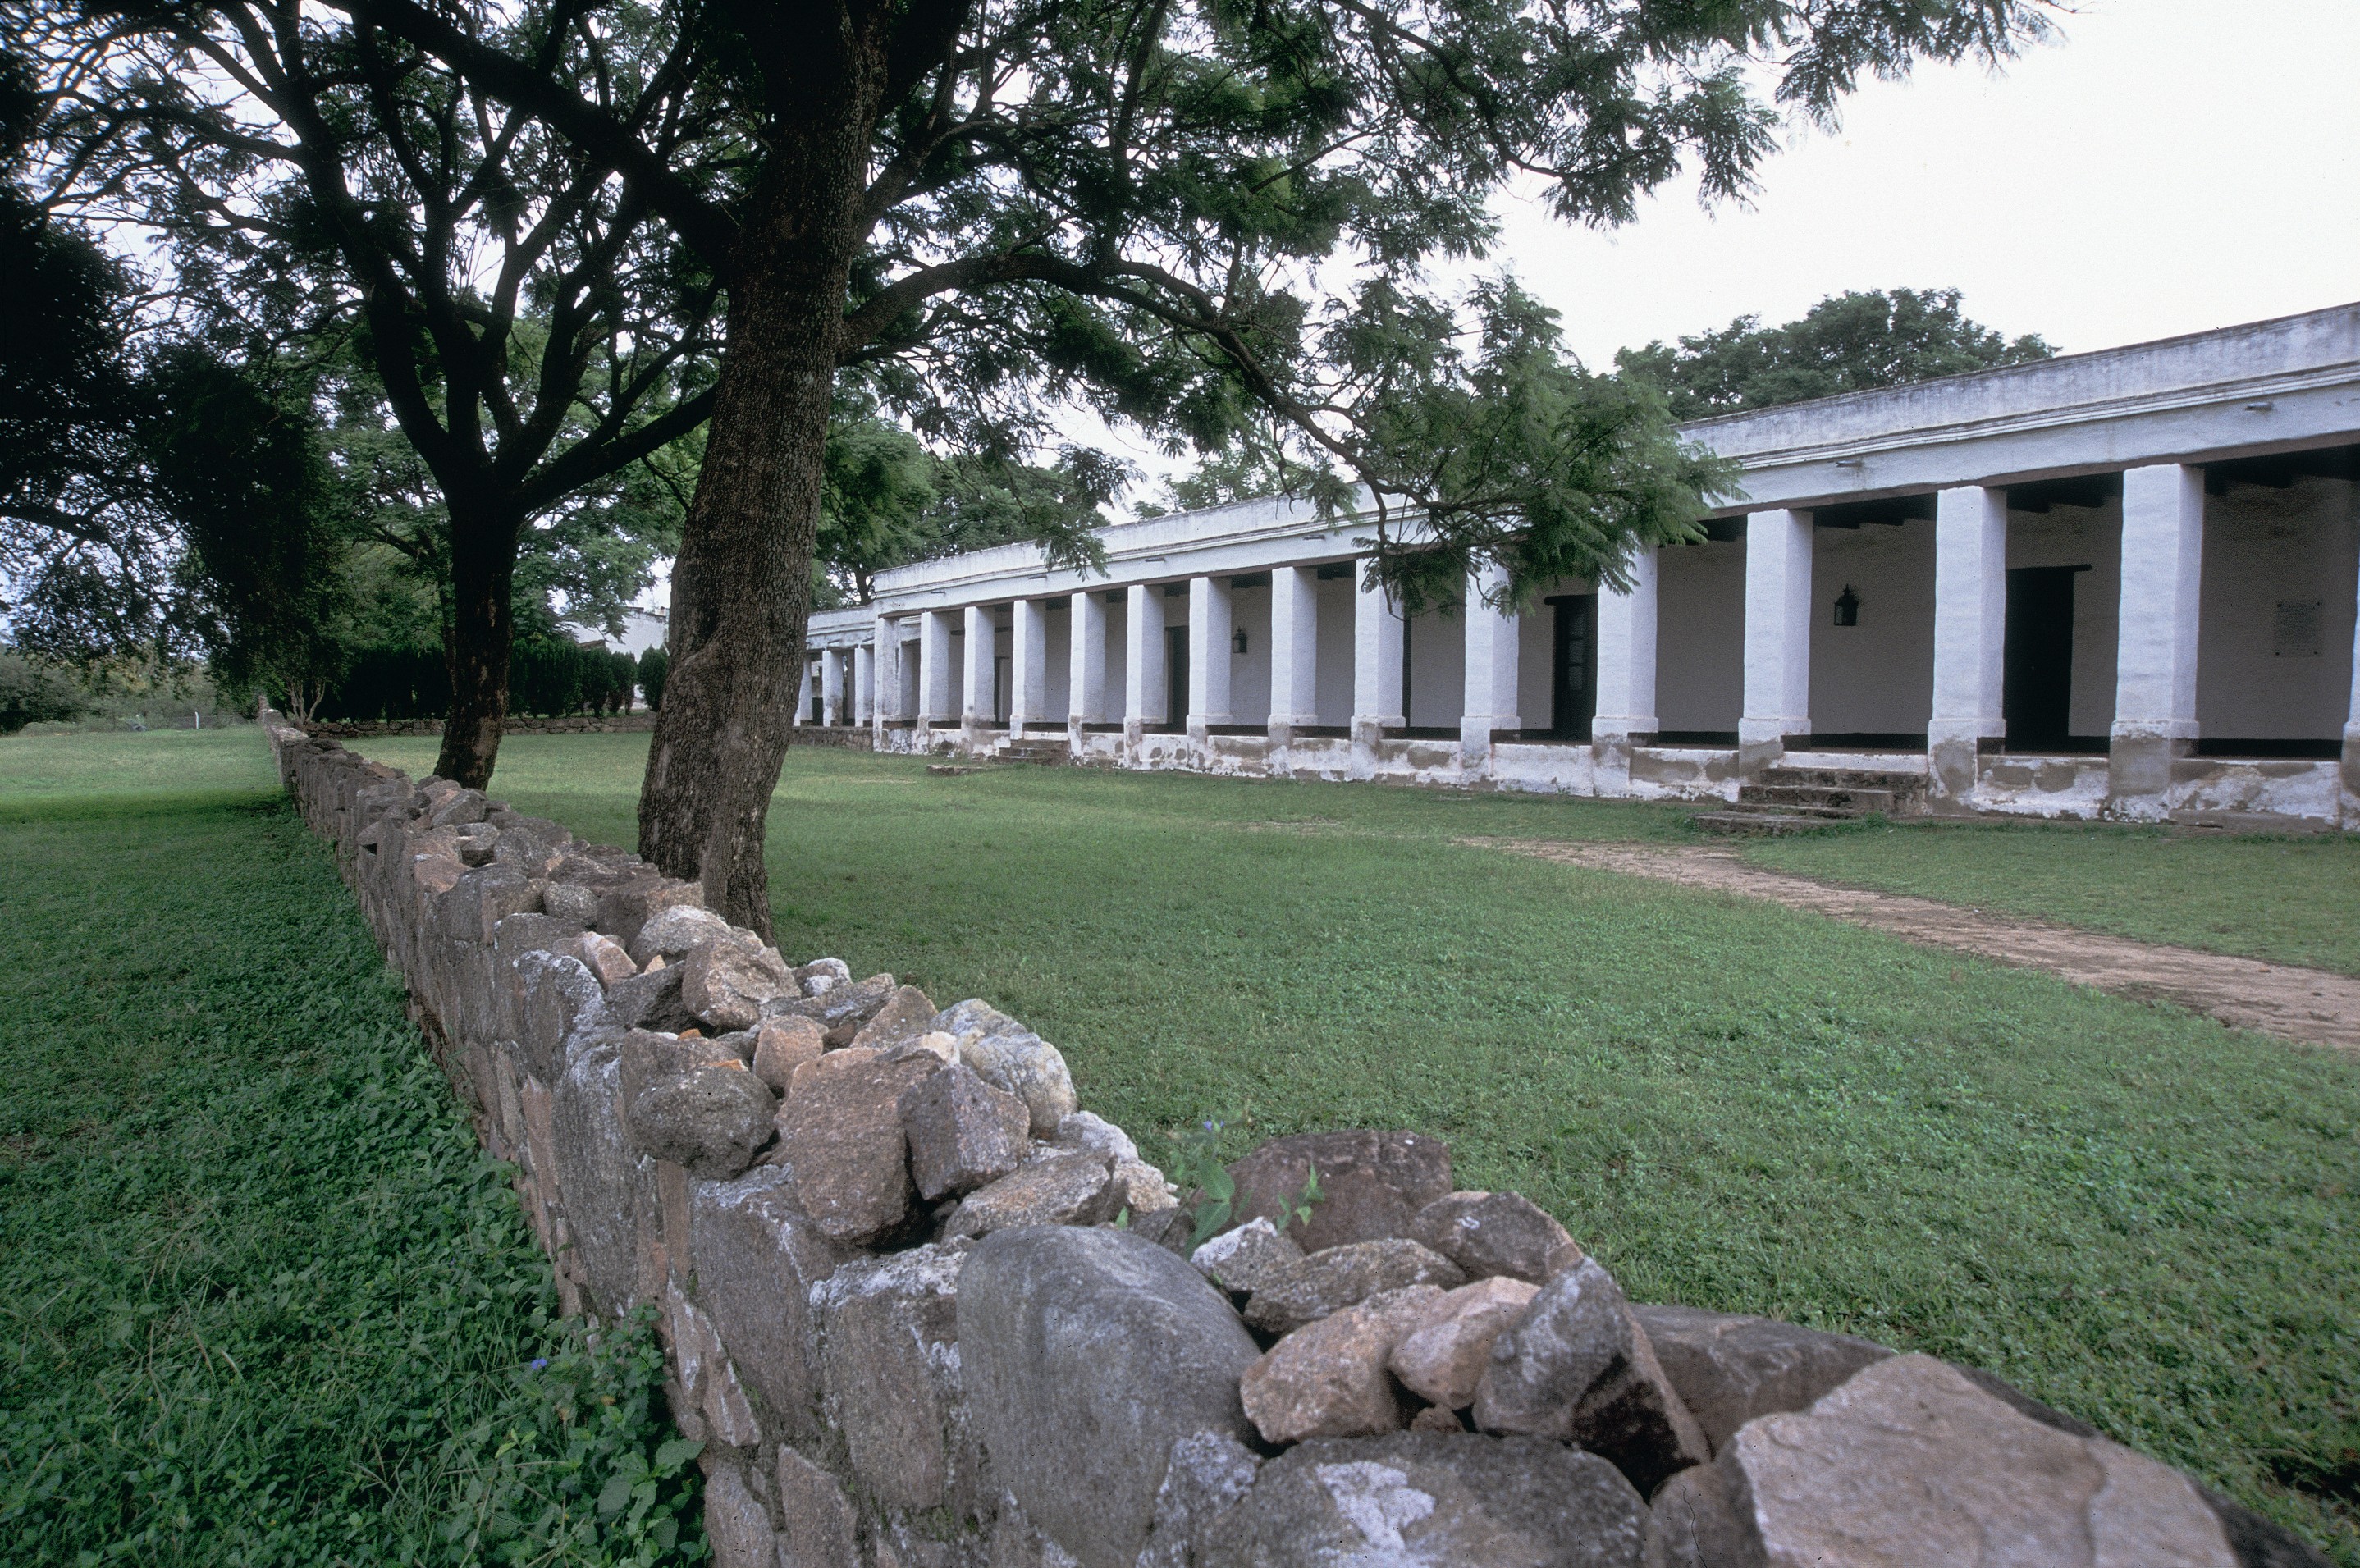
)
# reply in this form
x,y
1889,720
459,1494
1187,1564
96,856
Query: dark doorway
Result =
x,y
1175,675
1003,670
1573,668
2037,690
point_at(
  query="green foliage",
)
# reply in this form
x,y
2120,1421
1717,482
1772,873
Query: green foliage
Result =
x,y
398,680
553,676
654,663
1846,342
565,1471
1195,1166
2133,1213
271,1302
33,692
888,503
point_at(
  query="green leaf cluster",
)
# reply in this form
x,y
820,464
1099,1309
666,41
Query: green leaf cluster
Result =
x,y
1846,342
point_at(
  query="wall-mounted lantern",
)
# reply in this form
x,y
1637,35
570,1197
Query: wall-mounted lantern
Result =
x,y
1847,607
1239,642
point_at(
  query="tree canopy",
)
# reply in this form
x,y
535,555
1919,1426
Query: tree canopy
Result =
x,y
1846,342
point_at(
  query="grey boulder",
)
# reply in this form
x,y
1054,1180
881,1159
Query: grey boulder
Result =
x,y
1373,1183
1729,1369
710,1118
1063,1188
1576,1367
963,1133
1086,1355
725,980
1910,1462
1493,1234
1296,1293
1422,1499
1010,1057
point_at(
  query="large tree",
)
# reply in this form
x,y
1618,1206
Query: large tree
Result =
x,y
984,213
1846,342
535,329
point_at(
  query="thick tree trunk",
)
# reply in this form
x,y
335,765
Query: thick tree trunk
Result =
x,y
482,636
741,582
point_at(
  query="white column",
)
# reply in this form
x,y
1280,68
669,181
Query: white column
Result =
x,y
934,685
2351,813
885,673
1085,662
1376,657
831,686
2155,666
1778,634
1143,694
864,684
1969,635
976,702
1626,656
803,693
1491,700
1028,674
1208,653
1294,647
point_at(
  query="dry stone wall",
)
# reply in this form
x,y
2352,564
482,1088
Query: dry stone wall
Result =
x,y
924,1311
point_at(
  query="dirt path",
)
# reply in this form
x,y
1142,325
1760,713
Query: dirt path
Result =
x,y
2274,998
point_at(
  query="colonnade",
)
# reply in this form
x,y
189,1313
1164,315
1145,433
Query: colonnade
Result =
x,y
2153,711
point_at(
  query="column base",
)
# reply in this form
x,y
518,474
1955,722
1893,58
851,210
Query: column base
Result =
x,y
2351,776
1762,742
2138,770
1954,754
1476,734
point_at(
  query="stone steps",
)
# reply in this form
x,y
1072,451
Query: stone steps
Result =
x,y
1038,750
1732,822
1786,799
1837,797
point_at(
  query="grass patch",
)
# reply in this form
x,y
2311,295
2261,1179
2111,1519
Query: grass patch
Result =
x,y
2133,1214
265,1301
2287,900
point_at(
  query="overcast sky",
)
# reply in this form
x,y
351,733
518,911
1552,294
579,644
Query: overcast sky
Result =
x,y
2167,166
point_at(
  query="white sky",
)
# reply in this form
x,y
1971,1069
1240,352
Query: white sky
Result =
x,y
2164,167
2168,166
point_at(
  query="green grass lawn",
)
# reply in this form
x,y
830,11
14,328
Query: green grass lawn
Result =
x,y
2137,1215
2290,901
262,1300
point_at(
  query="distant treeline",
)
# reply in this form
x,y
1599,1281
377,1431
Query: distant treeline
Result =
x,y
548,678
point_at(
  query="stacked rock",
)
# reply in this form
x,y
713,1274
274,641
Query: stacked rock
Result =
x,y
924,1311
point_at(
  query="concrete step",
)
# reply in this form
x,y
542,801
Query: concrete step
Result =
x,y
1748,805
1900,783
1840,796
1767,823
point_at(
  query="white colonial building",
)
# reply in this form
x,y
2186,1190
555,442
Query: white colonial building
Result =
x,y
2117,584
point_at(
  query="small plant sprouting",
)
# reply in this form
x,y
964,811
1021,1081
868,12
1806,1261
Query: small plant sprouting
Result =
x,y
1196,1167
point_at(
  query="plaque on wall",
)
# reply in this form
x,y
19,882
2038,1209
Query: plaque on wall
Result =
x,y
2298,628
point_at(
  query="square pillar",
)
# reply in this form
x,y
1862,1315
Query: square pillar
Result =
x,y
1028,672
1085,665
831,686
1208,654
1144,693
803,693
934,685
864,684
1777,636
1376,659
1970,637
976,704
1490,703
1626,657
2351,770
885,667
2155,667
1293,649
